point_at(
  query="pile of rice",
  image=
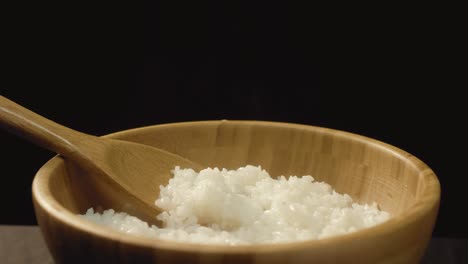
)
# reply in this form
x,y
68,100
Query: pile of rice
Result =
x,y
246,206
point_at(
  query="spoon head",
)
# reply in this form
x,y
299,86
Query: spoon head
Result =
x,y
128,175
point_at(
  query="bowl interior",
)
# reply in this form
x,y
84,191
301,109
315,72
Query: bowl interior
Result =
x,y
365,169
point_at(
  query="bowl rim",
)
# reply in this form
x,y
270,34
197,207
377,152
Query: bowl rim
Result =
x,y
428,199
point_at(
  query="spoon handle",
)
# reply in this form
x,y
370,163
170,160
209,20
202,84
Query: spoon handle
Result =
x,y
40,130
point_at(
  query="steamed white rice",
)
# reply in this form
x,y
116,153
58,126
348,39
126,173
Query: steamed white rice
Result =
x,y
246,206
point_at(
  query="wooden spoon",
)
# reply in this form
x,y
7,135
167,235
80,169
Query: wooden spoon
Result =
x,y
123,169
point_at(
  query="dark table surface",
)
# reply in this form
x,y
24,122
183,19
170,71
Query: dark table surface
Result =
x,y
24,244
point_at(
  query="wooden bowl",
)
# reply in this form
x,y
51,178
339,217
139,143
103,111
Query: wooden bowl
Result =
x,y
365,168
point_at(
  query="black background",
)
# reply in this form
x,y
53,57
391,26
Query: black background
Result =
x,y
389,74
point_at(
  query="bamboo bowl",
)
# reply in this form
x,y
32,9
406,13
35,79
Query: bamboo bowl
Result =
x,y
366,169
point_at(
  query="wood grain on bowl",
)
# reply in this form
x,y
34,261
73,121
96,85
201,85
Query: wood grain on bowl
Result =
x,y
366,169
